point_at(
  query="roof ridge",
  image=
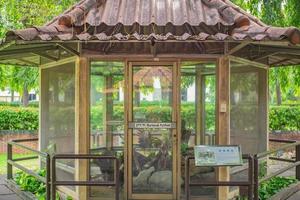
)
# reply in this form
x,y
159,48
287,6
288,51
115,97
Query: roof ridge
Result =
x,y
242,11
71,8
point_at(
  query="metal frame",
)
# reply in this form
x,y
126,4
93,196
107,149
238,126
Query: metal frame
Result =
x,y
129,132
13,162
55,183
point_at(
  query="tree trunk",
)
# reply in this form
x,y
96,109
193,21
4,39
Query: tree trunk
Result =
x,y
25,96
278,92
12,96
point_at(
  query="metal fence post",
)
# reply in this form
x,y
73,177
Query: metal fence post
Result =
x,y
298,159
250,177
256,174
53,178
9,158
187,178
48,180
117,181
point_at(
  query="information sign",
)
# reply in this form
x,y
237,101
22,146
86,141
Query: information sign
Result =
x,y
218,155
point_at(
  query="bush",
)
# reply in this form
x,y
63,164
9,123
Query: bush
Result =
x,y
285,118
34,104
269,188
18,118
31,184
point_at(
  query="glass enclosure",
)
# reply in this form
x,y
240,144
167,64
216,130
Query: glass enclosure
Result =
x,y
197,108
106,123
150,116
58,115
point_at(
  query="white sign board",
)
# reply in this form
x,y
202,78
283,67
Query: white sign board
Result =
x,y
218,155
152,125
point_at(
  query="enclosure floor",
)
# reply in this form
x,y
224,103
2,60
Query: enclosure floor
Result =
x,y
5,192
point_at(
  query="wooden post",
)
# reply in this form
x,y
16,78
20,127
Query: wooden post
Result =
x,y
82,141
222,115
200,138
263,109
108,111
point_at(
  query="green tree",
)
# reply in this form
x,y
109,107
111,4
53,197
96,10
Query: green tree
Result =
x,y
284,82
16,14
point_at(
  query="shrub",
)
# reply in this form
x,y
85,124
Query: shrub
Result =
x,y
33,185
18,118
269,188
285,118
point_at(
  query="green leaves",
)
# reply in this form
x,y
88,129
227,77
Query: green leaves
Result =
x,y
31,184
285,118
18,118
268,188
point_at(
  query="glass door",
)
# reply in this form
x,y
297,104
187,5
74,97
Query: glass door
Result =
x,y
152,131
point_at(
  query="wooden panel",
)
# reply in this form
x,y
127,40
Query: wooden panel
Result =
x,y
223,123
82,142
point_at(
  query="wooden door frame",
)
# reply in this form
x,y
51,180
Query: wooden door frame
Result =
x,y
128,132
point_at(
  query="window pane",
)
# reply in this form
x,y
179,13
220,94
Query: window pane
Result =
x,y
106,122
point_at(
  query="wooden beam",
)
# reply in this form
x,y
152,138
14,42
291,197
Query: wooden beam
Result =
x,y
60,62
29,62
222,118
238,47
280,61
82,136
265,55
263,93
45,55
249,62
26,50
200,112
16,56
119,56
69,49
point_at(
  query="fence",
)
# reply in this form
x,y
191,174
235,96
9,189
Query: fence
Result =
x,y
13,162
50,181
295,162
248,183
55,183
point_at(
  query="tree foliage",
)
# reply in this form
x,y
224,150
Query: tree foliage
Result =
x,y
284,82
16,14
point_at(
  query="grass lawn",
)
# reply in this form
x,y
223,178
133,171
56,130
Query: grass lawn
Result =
x,y
30,164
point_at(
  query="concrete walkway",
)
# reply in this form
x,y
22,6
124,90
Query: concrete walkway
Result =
x,y
5,192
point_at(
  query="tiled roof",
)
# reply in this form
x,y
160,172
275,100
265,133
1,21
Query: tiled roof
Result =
x,y
162,20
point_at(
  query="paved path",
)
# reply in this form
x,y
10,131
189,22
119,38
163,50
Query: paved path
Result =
x,y
296,196
5,193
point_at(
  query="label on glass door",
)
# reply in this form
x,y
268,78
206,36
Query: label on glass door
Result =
x,y
144,125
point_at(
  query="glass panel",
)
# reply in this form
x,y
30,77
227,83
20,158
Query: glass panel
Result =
x,y
106,122
58,116
246,112
152,148
198,88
